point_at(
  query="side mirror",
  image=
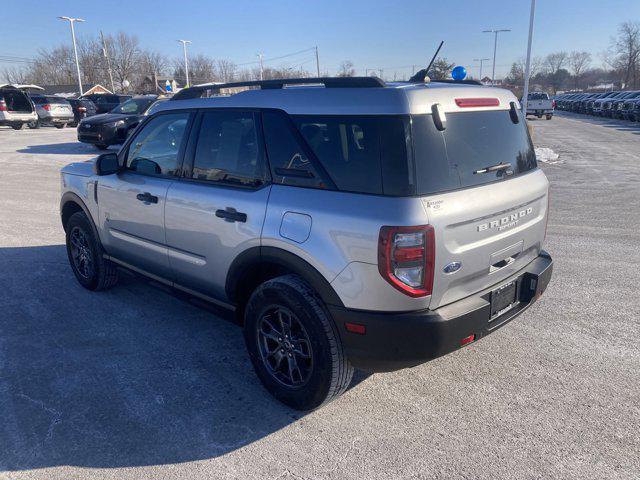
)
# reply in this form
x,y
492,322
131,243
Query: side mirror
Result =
x,y
106,164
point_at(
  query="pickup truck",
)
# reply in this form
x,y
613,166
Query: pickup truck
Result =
x,y
540,104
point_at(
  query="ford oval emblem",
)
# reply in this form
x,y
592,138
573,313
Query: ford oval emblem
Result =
x,y
452,267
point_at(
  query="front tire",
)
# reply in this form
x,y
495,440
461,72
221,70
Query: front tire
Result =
x,y
17,126
89,266
294,345
60,125
34,125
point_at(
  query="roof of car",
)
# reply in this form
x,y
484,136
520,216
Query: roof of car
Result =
x,y
341,99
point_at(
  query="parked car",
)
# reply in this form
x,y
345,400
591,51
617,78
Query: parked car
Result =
x,y
598,105
16,108
105,102
539,104
589,104
51,110
631,110
114,127
82,108
329,219
617,106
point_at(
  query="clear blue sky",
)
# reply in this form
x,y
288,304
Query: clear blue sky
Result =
x,y
372,34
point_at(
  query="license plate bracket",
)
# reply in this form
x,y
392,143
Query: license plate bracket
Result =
x,y
503,298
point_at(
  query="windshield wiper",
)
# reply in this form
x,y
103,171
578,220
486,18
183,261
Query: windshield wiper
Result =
x,y
493,168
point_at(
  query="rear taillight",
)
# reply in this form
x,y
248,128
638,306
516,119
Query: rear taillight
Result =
x,y
47,107
406,258
553,104
3,106
82,109
477,102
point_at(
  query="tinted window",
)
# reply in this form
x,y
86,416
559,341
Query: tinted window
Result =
x,y
155,149
362,154
473,141
538,96
57,101
289,162
39,100
228,149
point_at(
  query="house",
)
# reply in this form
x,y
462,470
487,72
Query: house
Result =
x,y
72,90
159,84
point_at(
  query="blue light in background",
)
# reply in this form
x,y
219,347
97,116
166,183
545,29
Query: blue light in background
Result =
x,y
459,73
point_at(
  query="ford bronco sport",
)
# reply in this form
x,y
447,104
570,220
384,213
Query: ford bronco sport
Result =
x,y
348,222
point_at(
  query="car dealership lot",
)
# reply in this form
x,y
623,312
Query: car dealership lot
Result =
x,y
136,383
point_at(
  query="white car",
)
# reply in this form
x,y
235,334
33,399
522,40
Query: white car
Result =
x,y
16,108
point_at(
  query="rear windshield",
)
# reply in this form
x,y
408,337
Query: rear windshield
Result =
x,y
471,142
134,106
57,100
538,96
407,155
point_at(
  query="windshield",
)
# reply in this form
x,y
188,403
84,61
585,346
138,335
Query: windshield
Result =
x,y
134,106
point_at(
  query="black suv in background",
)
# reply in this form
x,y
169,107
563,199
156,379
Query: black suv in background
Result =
x,y
114,127
105,102
82,108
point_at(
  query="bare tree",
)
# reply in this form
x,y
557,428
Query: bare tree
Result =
x,y
555,61
627,49
579,61
225,70
346,69
201,69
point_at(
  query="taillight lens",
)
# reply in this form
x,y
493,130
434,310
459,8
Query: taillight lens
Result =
x,y
3,106
477,102
406,258
82,109
47,107
553,104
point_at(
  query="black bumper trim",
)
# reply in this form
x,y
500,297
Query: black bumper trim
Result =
x,y
406,339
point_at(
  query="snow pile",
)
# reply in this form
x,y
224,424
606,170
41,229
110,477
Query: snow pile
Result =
x,y
547,155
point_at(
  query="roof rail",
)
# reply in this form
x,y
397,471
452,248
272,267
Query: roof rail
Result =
x,y
328,82
464,82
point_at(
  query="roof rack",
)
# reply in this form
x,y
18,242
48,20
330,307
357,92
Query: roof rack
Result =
x,y
328,82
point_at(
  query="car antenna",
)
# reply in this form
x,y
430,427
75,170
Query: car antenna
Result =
x,y
421,76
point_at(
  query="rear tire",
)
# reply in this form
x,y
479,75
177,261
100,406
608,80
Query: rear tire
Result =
x,y
60,125
34,125
85,254
549,117
294,345
17,126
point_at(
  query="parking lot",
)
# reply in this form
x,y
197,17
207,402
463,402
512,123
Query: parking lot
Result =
x,y
137,382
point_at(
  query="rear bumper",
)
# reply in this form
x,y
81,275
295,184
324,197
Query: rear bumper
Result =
x,y
399,340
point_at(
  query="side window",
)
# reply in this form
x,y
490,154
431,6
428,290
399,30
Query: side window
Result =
x,y
228,149
154,150
288,160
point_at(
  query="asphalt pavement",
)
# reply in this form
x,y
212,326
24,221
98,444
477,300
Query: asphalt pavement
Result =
x,y
137,382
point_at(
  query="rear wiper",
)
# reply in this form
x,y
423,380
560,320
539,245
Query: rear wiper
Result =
x,y
494,168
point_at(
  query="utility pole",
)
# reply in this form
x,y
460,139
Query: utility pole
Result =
x,y
495,48
527,69
261,56
481,60
75,50
106,55
317,62
186,63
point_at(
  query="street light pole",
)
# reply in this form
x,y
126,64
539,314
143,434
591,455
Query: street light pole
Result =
x,y
527,69
75,49
186,62
495,48
481,60
261,56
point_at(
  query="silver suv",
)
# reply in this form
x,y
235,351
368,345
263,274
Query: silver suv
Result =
x,y
360,225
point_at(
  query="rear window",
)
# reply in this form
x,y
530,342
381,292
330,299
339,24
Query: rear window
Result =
x,y
363,154
471,142
538,96
57,101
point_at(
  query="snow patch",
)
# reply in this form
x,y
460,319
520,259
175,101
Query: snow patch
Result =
x,y
547,155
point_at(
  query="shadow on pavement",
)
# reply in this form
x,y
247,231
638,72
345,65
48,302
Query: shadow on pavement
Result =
x,y
68,148
621,125
127,377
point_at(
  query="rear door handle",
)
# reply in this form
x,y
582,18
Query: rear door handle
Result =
x,y
231,215
146,197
